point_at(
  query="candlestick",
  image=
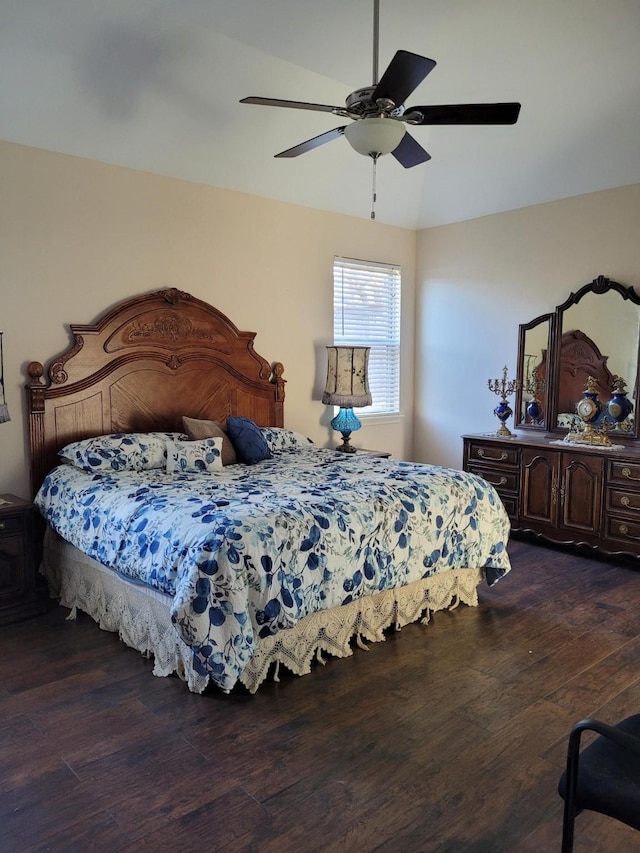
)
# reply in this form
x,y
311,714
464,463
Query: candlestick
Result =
x,y
503,410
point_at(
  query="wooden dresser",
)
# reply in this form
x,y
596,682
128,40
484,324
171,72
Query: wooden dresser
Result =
x,y
563,493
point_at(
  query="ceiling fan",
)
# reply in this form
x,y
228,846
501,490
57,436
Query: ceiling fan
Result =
x,y
379,113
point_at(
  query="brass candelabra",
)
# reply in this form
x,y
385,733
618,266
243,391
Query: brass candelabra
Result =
x,y
504,388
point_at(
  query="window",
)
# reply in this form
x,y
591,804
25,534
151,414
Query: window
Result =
x,y
366,312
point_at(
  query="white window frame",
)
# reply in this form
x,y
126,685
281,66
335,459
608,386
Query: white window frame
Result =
x,y
366,312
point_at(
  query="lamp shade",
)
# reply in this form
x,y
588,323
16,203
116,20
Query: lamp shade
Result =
x,y
347,382
373,136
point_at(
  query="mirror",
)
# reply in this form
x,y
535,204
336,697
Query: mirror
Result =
x,y
599,333
531,393
596,332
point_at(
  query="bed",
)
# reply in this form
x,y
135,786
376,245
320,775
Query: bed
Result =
x,y
224,572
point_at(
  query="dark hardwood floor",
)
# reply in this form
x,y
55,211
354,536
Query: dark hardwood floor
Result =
x,y
447,737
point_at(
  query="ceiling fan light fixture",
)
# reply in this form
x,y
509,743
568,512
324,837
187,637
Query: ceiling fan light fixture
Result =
x,y
374,136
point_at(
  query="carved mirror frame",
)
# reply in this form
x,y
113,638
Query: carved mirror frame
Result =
x,y
534,346
562,339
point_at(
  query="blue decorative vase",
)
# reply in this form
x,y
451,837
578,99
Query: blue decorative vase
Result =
x,y
503,411
619,406
534,411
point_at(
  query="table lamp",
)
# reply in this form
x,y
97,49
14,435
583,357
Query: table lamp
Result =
x,y
347,386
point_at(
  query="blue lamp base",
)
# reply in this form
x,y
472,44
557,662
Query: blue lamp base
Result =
x,y
346,422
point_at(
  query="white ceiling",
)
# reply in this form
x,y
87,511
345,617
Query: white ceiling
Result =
x,y
155,85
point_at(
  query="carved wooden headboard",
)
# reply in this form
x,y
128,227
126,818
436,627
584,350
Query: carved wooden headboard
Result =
x,y
142,366
579,359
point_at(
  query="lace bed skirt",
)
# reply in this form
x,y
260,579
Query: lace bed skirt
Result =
x,y
141,616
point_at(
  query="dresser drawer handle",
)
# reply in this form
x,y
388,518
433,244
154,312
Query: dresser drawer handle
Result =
x,y
1,525
501,482
625,501
626,472
504,455
625,532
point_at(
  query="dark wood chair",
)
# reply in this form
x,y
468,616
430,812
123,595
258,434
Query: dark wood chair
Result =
x,y
604,777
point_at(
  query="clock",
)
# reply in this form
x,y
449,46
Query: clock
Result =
x,y
588,409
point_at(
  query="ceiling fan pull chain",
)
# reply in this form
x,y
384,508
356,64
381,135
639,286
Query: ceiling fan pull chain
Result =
x,y
373,188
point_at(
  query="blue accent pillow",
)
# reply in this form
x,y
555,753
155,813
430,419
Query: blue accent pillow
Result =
x,y
247,439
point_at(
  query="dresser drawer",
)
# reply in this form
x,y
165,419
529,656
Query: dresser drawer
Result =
x,y
623,530
506,482
494,454
11,524
511,504
503,480
618,500
627,473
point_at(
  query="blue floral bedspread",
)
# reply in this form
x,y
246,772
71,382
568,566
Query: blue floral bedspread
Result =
x,y
250,550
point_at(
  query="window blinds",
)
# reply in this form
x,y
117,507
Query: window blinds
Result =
x,y
366,312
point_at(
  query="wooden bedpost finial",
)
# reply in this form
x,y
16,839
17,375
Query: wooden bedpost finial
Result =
x,y
276,377
36,372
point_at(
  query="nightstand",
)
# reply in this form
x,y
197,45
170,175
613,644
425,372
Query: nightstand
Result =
x,y
18,596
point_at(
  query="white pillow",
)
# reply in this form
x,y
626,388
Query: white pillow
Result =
x,y
194,457
278,438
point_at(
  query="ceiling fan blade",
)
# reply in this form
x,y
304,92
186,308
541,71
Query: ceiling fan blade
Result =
x,y
465,114
310,144
410,153
294,105
404,73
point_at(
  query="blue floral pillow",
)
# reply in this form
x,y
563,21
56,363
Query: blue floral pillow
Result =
x,y
137,451
247,439
194,457
284,439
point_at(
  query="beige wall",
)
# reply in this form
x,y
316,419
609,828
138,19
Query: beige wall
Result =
x,y
77,236
478,280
